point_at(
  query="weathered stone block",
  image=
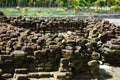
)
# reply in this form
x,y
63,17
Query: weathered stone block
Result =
x,y
38,54
6,75
18,53
21,71
60,76
21,77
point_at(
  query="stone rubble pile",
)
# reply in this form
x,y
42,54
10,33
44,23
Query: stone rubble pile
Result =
x,y
31,46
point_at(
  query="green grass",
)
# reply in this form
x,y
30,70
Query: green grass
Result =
x,y
29,12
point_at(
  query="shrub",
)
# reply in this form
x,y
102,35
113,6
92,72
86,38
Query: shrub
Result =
x,y
115,8
77,9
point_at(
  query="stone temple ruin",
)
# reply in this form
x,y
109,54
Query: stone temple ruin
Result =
x,y
56,48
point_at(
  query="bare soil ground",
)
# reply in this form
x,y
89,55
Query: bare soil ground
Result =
x,y
116,74
115,21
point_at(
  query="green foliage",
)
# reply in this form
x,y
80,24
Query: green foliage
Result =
x,y
56,3
59,1
97,11
24,11
115,8
77,9
64,9
100,3
76,3
18,7
83,3
117,2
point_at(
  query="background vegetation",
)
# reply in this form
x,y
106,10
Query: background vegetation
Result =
x,y
65,7
58,3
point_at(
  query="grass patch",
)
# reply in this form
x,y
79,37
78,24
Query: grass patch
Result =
x,y
42,12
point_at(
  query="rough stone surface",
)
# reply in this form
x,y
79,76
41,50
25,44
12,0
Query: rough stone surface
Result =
x,y
57,44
